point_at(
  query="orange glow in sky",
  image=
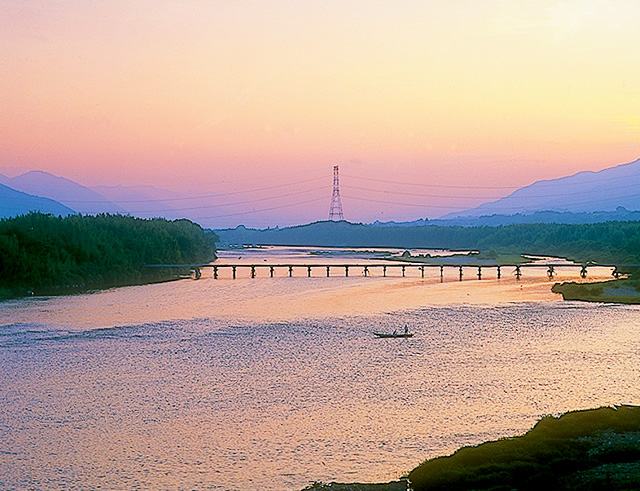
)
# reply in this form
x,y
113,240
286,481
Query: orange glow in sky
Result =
x,y
218,95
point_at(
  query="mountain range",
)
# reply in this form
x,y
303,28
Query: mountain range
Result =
x,y
71,194
586,197
605,190
13,203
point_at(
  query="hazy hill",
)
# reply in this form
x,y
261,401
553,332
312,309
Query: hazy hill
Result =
x,y
609,241
604,190
68,192
13,203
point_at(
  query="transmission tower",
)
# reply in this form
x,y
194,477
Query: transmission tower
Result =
x,y
335,210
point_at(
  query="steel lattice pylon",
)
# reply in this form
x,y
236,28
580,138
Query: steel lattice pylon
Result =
x,y
335,210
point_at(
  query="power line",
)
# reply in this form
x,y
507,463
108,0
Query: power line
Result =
x,y
514,187
233,203
214,195
445,207
299,203
467,196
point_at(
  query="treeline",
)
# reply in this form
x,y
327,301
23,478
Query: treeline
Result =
x,y
602,242
44,254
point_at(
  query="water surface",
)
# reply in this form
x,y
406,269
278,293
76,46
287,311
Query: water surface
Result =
x,y
199,397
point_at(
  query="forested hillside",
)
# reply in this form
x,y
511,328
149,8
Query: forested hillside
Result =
x,y
609,241
43,254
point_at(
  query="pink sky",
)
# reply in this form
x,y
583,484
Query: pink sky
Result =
x,y
206,96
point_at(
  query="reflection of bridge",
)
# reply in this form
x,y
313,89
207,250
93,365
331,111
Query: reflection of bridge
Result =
x,y
337,269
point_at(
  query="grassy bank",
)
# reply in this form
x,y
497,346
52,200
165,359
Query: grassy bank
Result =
x,y
46,255
594,449
489,258
597,449
625,291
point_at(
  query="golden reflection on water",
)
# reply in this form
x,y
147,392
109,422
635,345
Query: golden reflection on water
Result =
x,y
272,383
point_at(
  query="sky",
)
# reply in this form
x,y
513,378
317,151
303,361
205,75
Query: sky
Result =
x,y
204,96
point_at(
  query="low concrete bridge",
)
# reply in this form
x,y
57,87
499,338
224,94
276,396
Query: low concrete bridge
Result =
x,y
366,269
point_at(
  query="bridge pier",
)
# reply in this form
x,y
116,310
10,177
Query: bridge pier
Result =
x,y
499,272
233,271
215,272
422,271
271,271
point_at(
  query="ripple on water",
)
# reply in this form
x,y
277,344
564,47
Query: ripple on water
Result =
x,y
212,404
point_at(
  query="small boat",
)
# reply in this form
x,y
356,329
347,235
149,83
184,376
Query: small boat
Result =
x,y
393,334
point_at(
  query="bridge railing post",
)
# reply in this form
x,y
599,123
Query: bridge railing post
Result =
x,y
384,271
290,271
328,270
271,271
403,270
215,272
234,271
479,272
460,269
422,271
499,272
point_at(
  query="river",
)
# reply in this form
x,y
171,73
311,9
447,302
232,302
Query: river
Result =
x,y
271,383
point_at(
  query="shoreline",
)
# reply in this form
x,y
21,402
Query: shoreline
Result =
x,y
621,291
583,449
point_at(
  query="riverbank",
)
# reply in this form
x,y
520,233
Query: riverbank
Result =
x,y
590,449
464,259
625,291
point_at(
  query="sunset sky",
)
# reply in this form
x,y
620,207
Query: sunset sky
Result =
x,y
216,96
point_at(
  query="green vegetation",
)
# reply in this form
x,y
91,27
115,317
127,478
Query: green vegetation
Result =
x,y
605,243
614,291
594,449
490,258
44,255
602,242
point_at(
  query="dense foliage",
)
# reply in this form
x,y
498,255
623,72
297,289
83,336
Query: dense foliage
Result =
x,y
595,449
44,254
604,242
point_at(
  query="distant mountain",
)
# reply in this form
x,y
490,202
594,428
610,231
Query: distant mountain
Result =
x,y
142,201
68,192
13,203
605,190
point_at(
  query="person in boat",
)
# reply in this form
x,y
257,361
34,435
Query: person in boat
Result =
x,y
395,331
406,329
